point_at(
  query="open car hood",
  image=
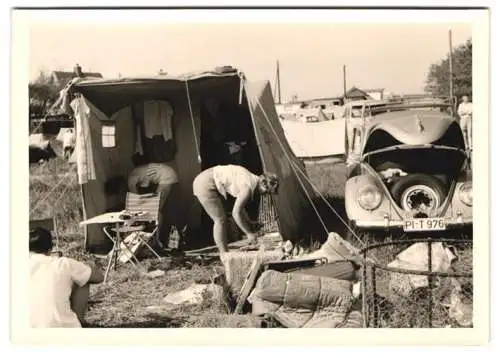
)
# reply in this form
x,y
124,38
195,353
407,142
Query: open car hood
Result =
x,y
411,127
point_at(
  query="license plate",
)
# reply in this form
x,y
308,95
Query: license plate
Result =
x,y
424,224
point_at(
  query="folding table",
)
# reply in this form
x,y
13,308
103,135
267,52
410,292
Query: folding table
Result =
x,y
117,219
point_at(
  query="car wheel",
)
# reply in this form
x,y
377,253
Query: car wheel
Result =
x,y
419,192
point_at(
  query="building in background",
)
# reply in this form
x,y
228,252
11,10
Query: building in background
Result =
x,y
61,78
377,94
357,94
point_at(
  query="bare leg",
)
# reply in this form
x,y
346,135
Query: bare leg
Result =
x,y
79,301
214,208
465,131
469,132
164,221
220,234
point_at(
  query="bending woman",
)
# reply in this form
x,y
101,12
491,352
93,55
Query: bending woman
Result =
x,y
219,181
161,179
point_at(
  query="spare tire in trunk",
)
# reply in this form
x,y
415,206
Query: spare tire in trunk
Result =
x,y
418,189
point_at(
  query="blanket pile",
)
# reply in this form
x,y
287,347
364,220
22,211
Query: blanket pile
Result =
x,y
305,301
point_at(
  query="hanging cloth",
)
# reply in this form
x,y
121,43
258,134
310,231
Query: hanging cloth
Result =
x,y
83,146
158,119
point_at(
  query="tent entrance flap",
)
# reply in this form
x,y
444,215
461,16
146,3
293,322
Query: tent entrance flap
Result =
x,y
227,137
277,157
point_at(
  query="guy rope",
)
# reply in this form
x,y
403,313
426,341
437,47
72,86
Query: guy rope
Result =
x,y
305,177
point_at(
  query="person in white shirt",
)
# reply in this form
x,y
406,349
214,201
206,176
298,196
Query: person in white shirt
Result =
x,y
59,286
465,113
214,184
68,140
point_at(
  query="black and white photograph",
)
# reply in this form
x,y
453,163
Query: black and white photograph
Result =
x,y
189,171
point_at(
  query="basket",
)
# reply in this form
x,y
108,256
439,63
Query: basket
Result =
x,y
417,283
268,215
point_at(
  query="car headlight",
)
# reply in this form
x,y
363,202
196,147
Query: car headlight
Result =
x,y
369,197
465,193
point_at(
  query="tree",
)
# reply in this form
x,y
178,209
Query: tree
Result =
x,y
438,78
42,94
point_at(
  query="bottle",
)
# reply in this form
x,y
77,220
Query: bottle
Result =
x,y
174,238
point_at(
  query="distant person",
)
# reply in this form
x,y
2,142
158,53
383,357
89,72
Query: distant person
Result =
x,y
158,178
214,184
68,143
465,113
59,286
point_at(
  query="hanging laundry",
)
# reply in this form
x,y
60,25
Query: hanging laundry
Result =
x,y
83,148
158,119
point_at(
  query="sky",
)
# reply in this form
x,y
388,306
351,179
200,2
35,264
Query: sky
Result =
x,y
391,56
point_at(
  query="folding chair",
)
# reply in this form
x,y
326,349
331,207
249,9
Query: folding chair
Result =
x,y
49,224
140,211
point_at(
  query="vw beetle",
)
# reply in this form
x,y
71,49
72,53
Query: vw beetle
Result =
x,y
409,175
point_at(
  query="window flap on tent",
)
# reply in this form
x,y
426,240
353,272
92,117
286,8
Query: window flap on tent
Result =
x,y
277,157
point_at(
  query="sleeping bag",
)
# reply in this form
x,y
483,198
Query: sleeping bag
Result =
x,y
305,301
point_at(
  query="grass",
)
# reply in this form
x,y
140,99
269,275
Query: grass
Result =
x,y
131,299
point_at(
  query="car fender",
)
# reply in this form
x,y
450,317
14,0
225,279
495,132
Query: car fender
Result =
x,y
354,211
457,208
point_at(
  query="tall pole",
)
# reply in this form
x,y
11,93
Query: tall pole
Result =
x,y
278,84
345,86
451,65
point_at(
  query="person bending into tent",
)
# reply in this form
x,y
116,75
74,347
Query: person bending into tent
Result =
x,y
161,179
214,183
59,286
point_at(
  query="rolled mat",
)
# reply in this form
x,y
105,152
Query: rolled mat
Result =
x,y
305,301
304,291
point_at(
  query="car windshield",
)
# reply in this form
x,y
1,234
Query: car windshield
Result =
x,y
357,111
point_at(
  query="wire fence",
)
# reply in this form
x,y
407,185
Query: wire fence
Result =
x,y
434,290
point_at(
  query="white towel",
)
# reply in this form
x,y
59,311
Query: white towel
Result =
x,y
158,119
83,148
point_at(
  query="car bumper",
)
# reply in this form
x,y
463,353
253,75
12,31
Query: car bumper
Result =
x,y
451,223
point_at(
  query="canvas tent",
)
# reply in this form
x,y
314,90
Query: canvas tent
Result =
x,y
110,121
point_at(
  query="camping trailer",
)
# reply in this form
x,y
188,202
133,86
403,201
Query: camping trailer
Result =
x,y
110,122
